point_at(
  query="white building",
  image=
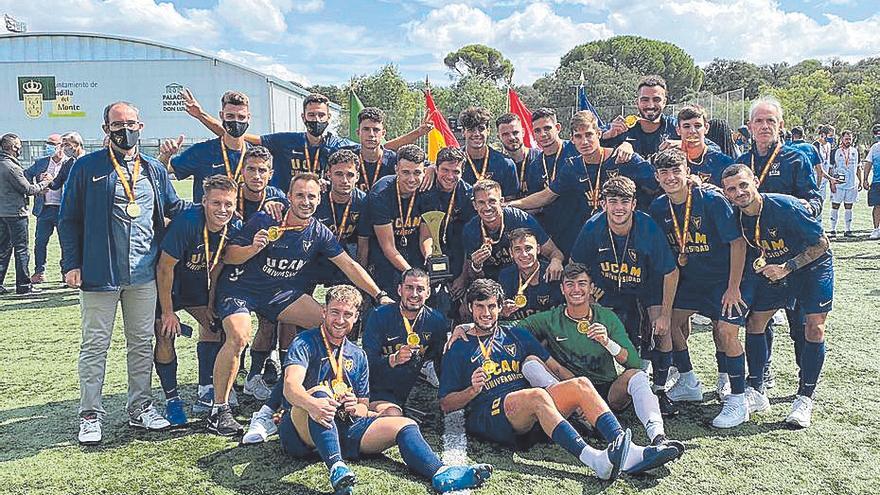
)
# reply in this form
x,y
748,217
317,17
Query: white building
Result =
x,y
57,82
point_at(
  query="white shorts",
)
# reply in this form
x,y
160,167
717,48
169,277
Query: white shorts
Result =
x,y
848,196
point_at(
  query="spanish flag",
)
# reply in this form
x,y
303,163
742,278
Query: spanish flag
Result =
x,y
441,135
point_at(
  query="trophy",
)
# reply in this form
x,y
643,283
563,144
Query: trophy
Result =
x,y
437,263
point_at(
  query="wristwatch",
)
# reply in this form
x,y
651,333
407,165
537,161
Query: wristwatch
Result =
x,y
378,297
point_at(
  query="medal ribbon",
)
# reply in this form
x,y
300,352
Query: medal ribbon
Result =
x,y
588,319
313,167
522,174
409,209
241,200
224,151
681,233
121,173
474,168
486,349
757,244
594,194
335,364
523,285
209,263
449,212
768,165
487,239
407,325
340,229
614,250
555,160
367,181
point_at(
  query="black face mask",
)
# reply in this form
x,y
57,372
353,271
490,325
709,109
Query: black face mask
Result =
x,y
124,138
316,128
235,128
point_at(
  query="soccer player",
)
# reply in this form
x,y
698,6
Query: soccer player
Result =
x,y
707,162
491,376
525,280
399,339
255,190
189,263
580,180
847,168
375,161
652,131
224,154
587,340
872,172
266,275
703,233
633,271
483,162
823,169
486,238
511,132
790,253
396,206
327,384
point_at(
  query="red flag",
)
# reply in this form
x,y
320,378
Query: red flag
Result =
x,y
525,116
441,136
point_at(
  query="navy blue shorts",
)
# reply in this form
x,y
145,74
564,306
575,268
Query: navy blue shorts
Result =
x,y
387,396
706,299
812,287
235,300
491,423
874,194
350,435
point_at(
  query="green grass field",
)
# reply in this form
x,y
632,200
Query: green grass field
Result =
x,y
40,336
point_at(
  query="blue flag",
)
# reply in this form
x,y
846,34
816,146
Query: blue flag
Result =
x,y
584,104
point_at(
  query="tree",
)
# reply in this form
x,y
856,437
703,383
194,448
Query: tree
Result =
x,y
480,60
643,56
723,75
806,99
386,89
470,91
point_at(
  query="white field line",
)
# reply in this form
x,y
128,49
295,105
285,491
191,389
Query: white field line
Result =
x,y
455,442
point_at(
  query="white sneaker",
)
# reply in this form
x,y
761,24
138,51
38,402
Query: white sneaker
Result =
x,y
430,374
875,234
801,412
756,401
672,377
734,412
256,387
698,319
261,427
722,386
149,419
90,430
687,389
779,317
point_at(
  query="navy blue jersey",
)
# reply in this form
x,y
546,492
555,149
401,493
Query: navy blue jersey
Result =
x,y
308,350
385,333
808,150
711,229
787,228
462,212
790,173
577,186
642,259
543,169
246,208
539,297
710,166
203,160
289,154
371,172
508,348
522,168
645,143
498,168
185,241
514,218
357,224
282,263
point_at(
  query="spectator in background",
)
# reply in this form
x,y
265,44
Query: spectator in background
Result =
x,y
721,134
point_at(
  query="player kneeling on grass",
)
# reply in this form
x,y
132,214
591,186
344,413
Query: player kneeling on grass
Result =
x,y
326,382
491,377
586,340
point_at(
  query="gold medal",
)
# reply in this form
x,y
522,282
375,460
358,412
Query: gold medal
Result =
x,y
760,262
489,367
682,232
274,233
682,259
630,120
583,326
340,388
520,300
403,241
413,340
133,210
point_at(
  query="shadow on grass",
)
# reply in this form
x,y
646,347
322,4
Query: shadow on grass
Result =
x,y
43,300
264,473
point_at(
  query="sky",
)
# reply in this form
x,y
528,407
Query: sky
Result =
x,y
329,41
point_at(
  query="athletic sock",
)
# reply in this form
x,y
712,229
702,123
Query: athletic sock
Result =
x,y
207,354
756,355
276,396
812,360
800,340
636,455
736,372
168,378
596,459
608,426
769,333
266,411
661,360
847,218
568,438
326,439
258,359
721,361
416,452
682,361
834,213
646,405
217,406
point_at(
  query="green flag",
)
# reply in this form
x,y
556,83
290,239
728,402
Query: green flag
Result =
x,y
354,108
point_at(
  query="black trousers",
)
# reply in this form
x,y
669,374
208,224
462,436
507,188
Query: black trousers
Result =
x,y
14,238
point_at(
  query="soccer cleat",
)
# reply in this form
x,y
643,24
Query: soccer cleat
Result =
x,y
672,377
175,412
260,428
722,386
667,407
256,387
453,478
848,233
801,412
617,451
756,401
38,278
342,478
769,377
686,390
148,418
654,457
832,234
222,423
204,403
663,440
89,429
270,370
734,412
